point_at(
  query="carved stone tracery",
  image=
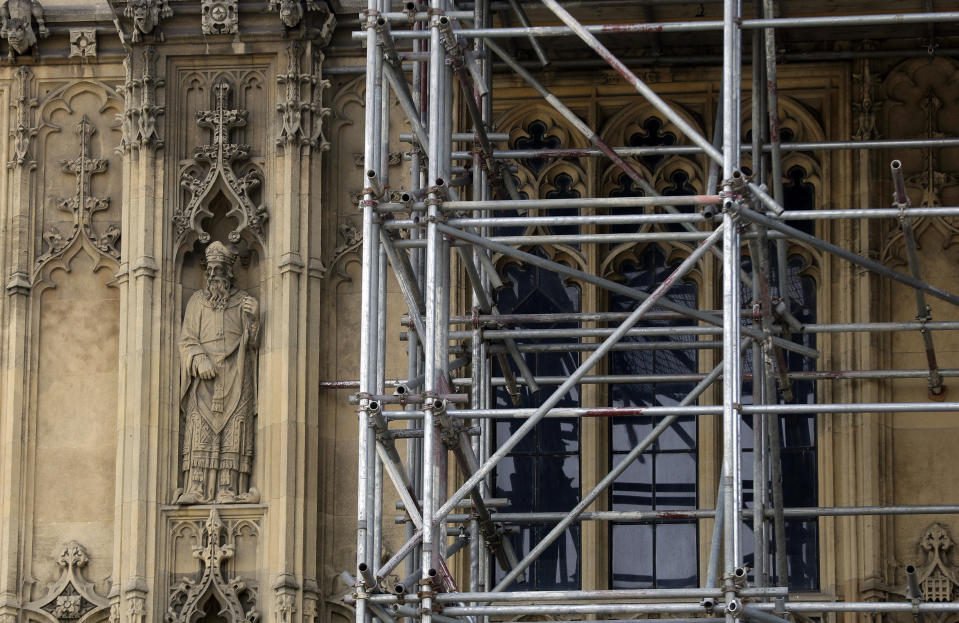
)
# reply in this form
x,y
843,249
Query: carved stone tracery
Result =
x,y
922,101
71,596
219,158
82,204
235,597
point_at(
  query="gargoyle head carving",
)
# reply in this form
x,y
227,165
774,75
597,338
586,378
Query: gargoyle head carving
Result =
x,y
20,35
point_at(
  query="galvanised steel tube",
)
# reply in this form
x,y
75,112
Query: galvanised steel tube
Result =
x,y
587,365
612,286
793,215
494,334
626,346
697,26
699,410
672,150
606,481
824,375
621,594
562,609
923,311
848,255
860,606
593,202
436,292
712,562
365,514
667,515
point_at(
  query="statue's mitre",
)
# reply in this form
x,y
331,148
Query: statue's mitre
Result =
x,y
219,253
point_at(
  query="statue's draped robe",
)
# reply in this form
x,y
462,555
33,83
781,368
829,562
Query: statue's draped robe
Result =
x,y
219,411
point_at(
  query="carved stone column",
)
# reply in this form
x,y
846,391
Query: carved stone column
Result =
x,y
21,165
294,273
138,462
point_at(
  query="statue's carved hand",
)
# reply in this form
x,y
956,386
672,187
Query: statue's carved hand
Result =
x,y
204,367
250,306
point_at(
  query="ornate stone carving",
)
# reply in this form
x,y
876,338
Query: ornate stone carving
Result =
x,y
23,128
292,107
18,17
82,204
866,106
218,342
83,42
146,14
219,17
352,241
220,156
938,578
291,11
919,94
320,112
71,597
234,598
140,111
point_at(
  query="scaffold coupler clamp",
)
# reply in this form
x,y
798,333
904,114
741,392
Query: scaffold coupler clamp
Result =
x,y
370,15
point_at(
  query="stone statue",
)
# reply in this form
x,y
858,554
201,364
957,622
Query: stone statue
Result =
x,y
18,17
218,344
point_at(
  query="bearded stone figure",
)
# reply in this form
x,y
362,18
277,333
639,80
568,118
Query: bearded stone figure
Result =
x,y
218,345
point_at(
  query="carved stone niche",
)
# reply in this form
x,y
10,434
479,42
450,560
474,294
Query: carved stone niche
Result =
x,y
221,169
71,598
211,562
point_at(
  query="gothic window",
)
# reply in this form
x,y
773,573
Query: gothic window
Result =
x,y
661,555
798,454
542,473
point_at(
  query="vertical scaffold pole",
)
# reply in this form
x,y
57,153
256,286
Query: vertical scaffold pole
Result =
x,y
732,378
365,513
437,305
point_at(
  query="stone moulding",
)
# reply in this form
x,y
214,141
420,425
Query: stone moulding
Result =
x,y
218,158
71,597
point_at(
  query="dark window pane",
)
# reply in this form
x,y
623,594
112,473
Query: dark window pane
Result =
x,y
541,474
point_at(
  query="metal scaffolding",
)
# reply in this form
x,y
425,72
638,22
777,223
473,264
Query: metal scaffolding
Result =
x,y
439,219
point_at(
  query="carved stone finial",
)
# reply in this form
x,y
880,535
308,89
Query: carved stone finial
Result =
x,y
17,18
73,555
146,14
219,17
219,158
